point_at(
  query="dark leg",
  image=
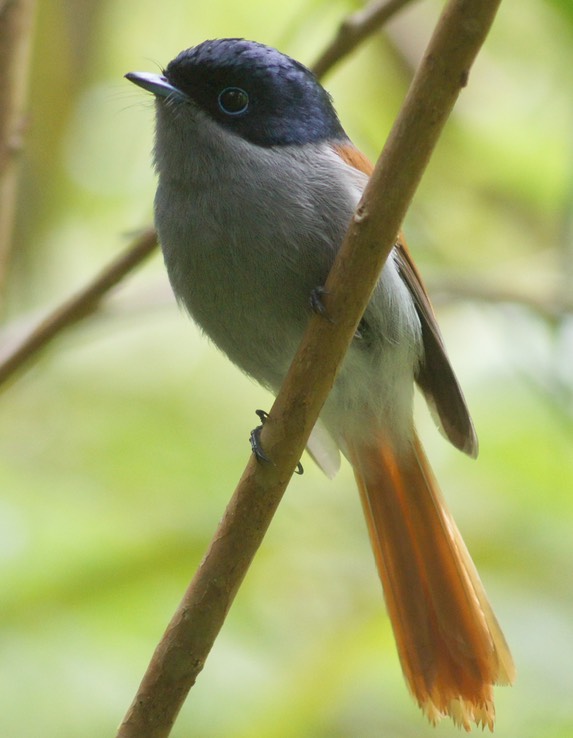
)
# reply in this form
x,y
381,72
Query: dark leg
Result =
x,y
255,439
317,304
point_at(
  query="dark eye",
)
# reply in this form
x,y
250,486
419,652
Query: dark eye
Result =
x,y
233,100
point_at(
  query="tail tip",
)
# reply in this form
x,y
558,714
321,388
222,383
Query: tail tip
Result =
x,y
462,713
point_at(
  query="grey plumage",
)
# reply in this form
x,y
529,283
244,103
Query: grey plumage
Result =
x,y
247,234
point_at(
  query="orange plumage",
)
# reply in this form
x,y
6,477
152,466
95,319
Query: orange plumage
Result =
x,y
451,648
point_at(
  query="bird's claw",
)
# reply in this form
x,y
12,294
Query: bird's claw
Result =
x,y
256,447
317,303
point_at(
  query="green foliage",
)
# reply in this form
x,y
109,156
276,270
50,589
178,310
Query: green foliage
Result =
x,y
120,448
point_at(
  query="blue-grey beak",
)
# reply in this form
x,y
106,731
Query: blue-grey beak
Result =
x,y
155,83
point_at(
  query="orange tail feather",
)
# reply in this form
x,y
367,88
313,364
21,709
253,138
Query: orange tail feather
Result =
x,y
450,645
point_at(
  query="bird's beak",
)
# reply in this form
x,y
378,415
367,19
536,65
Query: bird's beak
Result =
x,y
155,83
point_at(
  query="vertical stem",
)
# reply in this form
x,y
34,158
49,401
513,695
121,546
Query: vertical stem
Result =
x,y
16,25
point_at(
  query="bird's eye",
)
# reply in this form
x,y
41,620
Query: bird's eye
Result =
x,y
233,100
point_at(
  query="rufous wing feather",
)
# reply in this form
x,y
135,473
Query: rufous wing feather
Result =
x,y
435,376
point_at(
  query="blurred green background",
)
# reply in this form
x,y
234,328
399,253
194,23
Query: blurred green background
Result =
x,y
121,446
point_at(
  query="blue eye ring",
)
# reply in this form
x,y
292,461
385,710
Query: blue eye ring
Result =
x,y
233,101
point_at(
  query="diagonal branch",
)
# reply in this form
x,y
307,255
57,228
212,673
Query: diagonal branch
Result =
x,y
550,304
353,30
78,306
182,652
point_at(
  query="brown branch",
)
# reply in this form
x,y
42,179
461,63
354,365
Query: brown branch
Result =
x,y
76,307
182,652
549,304
16,20
353,30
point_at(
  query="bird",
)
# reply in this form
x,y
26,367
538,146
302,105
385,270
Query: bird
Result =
x,y
257,184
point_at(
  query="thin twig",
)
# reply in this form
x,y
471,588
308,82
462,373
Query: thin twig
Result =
x,y
78,306
16,21
182,652
353,30
549,304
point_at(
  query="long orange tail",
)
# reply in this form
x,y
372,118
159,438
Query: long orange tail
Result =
x,y
450,645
